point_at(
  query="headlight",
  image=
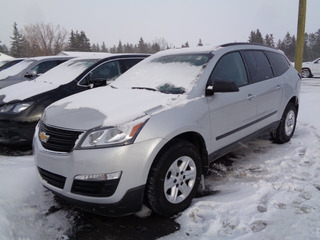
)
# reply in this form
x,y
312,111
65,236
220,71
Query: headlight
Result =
x,y
15,108
109,137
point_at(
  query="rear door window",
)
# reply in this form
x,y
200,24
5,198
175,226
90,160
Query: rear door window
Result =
x,y
258,65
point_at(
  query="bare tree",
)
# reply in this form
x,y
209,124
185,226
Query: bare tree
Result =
x,y
44,39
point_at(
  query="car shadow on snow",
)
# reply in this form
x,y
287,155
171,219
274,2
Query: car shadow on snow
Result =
x,y
15,150
88,226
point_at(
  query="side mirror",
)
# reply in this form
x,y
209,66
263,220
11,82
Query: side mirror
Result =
x,y
31,74
221,86
99,82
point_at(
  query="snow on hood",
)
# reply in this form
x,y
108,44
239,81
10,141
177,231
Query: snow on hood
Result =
x,y
105,106
62,74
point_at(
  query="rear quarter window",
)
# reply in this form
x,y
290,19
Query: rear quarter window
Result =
x,y
279,63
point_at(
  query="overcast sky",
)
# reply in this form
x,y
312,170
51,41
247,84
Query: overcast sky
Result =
x,y
177,21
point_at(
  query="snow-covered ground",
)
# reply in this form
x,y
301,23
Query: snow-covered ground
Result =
x,y
269,191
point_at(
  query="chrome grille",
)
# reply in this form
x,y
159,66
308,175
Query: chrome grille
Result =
x,y
57,139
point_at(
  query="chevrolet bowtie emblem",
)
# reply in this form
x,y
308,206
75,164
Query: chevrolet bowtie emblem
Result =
x,y
44,137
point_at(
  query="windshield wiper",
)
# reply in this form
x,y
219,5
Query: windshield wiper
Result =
x,y
146,88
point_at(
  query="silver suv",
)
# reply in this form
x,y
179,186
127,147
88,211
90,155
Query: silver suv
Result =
x,y
149,136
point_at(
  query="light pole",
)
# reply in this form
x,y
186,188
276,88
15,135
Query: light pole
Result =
x,y
300,34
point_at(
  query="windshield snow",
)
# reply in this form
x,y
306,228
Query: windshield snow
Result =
x,y
67,71
173,74
17,68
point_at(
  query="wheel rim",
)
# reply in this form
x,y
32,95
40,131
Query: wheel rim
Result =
x,y
305,73
180,179
290,122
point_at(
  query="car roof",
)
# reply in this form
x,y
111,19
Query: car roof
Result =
x,y
40,58
212,49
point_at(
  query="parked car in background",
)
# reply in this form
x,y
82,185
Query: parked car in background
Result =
x,y
29,69
311,69
22,104
10,63
149,136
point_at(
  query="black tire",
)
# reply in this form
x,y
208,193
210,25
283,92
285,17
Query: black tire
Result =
x,y
162,171
306,73
287,125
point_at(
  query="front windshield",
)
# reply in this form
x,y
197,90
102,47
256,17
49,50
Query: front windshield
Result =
x,y
173,74
67,71
17,68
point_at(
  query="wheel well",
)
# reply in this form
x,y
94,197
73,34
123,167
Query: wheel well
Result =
x,y
197,140
295,101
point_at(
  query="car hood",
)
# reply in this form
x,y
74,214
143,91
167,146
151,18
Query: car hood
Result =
x,y
106,106
24,90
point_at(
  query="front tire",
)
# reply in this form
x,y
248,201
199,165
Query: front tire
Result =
x,y
287,125
306,73
173,179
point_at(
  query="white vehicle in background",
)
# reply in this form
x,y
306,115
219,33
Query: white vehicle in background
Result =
x,y
311,69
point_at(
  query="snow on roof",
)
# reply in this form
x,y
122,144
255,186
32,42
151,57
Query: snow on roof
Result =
x,y
81,54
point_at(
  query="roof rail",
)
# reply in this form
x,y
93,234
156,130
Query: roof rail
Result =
x,y
245,43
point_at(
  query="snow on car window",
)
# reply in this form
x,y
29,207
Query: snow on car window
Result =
x,y
17,68
174,74
66,71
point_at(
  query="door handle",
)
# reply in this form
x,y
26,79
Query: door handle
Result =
x,y
278,87
251,96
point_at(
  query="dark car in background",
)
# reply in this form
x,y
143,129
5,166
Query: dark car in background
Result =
x,y
10,63
29,69
22,104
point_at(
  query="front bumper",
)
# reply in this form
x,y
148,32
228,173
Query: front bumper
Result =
x,y
12,132
133,161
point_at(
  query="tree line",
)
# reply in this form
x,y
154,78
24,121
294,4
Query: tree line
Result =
x,y
311,49
46,39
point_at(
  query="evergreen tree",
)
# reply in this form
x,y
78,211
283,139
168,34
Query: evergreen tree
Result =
x,y
256,37
120,47
17,43
142,47
316,46
128,48
155,48
113,49
4,49
269,40
79,42
73,44
103,48
186,45
95,48
200,43
84,42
